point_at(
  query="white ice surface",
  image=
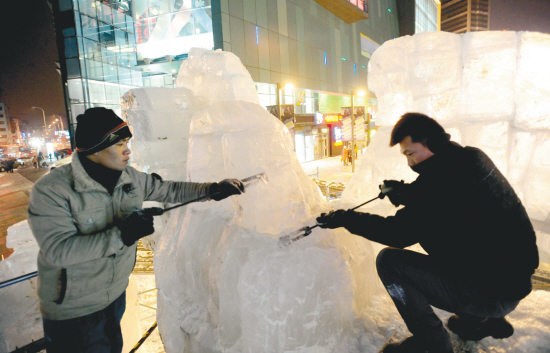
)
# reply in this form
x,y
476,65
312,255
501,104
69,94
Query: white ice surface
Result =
x,y
504,108
224,283
20,320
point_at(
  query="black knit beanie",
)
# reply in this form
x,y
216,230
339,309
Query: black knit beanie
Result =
x,y
97,129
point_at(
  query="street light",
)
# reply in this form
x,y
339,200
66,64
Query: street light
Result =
x,y
360,93
61,121
43,116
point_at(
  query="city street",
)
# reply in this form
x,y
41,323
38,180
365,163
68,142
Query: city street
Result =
x,y
15,190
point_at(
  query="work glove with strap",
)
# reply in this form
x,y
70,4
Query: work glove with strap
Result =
x,y
137,225
335,219
225,188
398,193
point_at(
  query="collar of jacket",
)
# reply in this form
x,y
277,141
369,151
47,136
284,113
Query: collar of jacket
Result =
x,y
83,182
438,161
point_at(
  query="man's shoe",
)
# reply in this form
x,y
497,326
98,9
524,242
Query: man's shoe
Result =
x,y
475,330
411,345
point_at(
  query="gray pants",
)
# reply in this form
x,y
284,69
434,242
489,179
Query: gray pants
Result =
x,y
414,283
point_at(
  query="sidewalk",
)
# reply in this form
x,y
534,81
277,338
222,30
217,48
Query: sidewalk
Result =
x,y
15,190
331,169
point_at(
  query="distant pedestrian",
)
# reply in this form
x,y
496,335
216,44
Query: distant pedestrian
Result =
x,y
345,155
9,165
356,148
35,162
50,155
349,154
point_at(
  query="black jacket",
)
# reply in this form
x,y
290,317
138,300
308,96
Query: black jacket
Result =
x,y
467,217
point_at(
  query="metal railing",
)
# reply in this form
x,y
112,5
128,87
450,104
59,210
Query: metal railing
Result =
x,y
315,174
9,282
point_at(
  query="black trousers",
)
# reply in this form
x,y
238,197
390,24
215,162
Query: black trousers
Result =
x,y
415,284
98,332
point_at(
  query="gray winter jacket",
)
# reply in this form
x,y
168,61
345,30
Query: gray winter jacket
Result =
x,y
83,265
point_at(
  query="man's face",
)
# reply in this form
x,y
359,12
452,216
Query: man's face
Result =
x,y
115,157
414,151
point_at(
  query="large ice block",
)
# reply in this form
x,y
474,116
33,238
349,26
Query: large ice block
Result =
x,y
492,138
532,88
388,71
536,188
216,76
488,76
222,276
434,73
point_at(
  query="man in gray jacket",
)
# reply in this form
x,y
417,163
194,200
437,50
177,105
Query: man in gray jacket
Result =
x,y
87,220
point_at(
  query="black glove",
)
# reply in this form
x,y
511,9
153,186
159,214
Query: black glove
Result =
x,y
397,194
138,225
334,219
226,188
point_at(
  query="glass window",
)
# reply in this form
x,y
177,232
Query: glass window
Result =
x,y
106,34
97,92
88,7
129,24
69,32
137,78
71,50
76,95
77,109
125,76
105,13
94,70
119,19
425,16
65,5
73,67
112,93
121,39
123,60
110,73
78,24
89,28
92,49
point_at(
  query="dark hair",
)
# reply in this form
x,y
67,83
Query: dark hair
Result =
x,y
421,128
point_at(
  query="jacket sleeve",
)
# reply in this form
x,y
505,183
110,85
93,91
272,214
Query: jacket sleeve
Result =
x,y
53,226
395,231
156,189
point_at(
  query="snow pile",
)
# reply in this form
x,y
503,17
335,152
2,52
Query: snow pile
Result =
x,y
20,320
224,283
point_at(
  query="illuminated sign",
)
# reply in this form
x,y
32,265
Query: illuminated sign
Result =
x,y
339,143
332,118
337,136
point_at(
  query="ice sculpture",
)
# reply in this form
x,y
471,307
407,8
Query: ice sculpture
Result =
x,y
224,283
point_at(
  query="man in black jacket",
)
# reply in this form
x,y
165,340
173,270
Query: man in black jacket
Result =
x,y
480,244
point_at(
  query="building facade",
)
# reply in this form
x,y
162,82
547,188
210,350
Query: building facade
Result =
x,y
461,16
418,16
321,47
5,128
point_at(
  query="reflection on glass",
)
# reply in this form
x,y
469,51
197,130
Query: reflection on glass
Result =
x,y
168,27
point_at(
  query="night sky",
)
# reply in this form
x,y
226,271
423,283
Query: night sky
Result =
x,y
28,73
27,62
